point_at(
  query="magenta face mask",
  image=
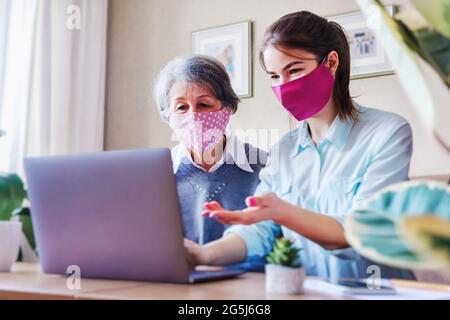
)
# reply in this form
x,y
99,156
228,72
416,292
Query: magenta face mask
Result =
x,y
306,96
200,131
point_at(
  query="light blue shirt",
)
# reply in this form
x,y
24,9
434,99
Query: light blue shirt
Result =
x,y
354,160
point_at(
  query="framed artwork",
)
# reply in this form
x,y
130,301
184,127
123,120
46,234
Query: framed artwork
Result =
x,y
367,56
232,45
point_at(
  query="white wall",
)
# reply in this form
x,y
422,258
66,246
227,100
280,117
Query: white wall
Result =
x,y
146,34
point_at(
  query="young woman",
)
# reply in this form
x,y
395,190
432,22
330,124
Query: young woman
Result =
x,y
339,154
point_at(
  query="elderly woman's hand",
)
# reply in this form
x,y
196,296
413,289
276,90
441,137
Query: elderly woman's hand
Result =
x,y
259,208
195,253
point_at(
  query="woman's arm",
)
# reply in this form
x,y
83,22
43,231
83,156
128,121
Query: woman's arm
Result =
x,y
324,230
227,250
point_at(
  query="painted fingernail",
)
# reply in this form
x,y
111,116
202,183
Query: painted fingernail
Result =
x,y
215,218
251,202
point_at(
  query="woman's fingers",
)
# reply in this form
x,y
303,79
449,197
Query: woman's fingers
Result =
x,y
206,213
189,244
190,249
258,209
226,216
213,205
253,201
247,216
194,253
260,201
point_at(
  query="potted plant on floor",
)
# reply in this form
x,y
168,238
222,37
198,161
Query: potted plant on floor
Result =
x,y
11,197
13,217
284,271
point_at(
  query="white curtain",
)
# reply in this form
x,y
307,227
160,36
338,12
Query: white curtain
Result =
x,y
52,78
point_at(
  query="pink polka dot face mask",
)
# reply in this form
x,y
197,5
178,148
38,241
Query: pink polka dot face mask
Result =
x,y
200,131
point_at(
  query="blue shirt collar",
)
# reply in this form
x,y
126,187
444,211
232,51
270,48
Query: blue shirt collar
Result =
x,y
304,139
337,135
338,132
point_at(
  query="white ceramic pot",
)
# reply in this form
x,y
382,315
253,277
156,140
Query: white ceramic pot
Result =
x,y
10,232
284,280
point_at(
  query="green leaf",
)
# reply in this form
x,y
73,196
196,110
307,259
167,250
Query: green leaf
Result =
x,y
437,14
412,211
12,194
431,46
436,50
284,253
27,227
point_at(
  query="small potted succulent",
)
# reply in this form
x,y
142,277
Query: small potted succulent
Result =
x,y
284,271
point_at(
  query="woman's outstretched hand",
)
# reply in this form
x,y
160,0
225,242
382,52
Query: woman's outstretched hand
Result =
x,y
320,228
259,208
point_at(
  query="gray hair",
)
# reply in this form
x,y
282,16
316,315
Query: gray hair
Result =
x,y
194,69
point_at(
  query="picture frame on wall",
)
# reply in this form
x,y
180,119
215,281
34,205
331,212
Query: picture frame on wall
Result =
x,y
232,45
367,56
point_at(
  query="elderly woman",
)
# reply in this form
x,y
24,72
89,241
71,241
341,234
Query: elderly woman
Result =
x,y
194,96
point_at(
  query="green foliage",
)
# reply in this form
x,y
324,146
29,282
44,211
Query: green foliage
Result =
x,y
431,46
437,14
284,253
27,227
440,243
12,194
431,42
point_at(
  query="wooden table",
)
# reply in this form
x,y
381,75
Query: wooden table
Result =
x,y
26,281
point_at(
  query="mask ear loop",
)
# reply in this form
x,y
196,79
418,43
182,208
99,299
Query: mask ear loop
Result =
x,y
324,60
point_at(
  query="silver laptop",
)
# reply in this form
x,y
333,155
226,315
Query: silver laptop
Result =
x,y
114,215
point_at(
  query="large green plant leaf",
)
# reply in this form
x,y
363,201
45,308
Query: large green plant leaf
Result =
x,y
12,194
377,229
437,14
427,89
429,43
432,47
435,49
429,236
